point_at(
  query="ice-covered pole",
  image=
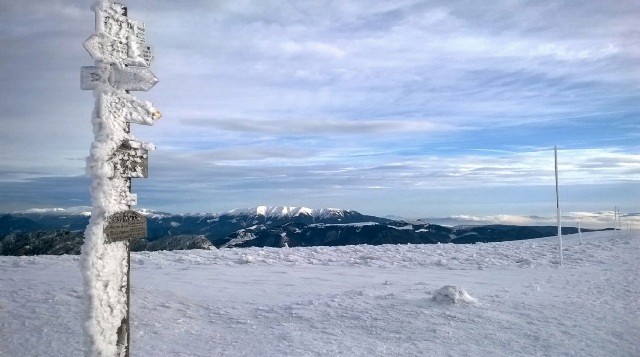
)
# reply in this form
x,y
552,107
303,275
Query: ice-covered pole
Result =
x,y
555,154
619,219
580,233
121,60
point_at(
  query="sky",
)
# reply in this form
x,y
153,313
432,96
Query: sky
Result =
x,y
408,108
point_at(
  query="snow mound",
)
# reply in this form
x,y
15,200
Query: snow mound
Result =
x,y
453,295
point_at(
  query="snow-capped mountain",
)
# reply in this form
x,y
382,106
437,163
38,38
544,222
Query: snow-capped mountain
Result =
x,y
288,211
250,227
216,227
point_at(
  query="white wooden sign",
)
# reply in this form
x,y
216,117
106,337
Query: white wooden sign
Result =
x,y
131,160
118,38
127,78
108,49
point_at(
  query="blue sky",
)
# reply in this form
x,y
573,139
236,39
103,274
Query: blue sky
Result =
x,y
412,108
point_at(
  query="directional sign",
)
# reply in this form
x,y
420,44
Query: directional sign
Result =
x,y
93,77
118,39
123,105
126,225
127,78
107,49
131,160
133,78
118,26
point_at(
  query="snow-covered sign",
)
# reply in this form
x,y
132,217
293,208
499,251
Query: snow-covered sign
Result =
x,y
118,39
114,105
127,78
131,160
127,225
108,49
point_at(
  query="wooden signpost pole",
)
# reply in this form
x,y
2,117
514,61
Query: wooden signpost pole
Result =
x,y
121,65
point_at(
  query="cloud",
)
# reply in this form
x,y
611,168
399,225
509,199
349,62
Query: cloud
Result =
x,y
587,220
312,49
320,126
45,192
269,99
287,168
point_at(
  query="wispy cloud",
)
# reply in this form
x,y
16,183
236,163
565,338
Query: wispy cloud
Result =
x,y
588,220
310,126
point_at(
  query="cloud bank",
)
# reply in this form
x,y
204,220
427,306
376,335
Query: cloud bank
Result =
x,y
401,106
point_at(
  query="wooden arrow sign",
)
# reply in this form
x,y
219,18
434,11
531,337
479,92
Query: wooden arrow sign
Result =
x,y
123,105
133,78
127,78
106,49
118,39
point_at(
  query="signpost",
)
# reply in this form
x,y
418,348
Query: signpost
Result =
x,y
121,59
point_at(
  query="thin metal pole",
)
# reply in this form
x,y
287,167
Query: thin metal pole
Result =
x,y
555,152
619,218
580,233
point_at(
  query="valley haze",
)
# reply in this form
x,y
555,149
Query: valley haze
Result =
x,y
593,220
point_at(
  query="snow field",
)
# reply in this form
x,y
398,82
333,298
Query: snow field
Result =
x,y
349,301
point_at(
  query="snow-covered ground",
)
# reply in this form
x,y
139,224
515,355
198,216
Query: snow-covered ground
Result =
x,y
348,301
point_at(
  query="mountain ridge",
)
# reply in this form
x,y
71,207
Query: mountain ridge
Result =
x,y
262,226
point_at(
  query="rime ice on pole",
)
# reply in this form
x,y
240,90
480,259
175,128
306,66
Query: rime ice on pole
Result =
x,y
121,60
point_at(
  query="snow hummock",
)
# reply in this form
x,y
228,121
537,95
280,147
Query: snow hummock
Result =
x,y
350,301
453,295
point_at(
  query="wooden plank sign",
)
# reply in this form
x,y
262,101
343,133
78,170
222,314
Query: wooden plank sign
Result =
x,y
131,160
126,225
118,39
103,48
116,105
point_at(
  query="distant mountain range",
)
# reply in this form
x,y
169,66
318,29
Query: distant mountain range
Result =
x,y
59,231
